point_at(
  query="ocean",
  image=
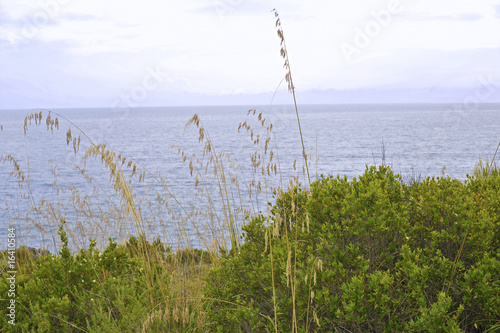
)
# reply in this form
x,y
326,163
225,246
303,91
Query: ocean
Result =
x,y
415,140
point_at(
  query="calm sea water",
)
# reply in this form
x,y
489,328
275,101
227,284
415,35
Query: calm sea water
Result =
x,y
416,140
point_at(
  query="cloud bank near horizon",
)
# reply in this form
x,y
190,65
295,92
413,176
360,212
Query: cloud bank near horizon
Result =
x,y
72,53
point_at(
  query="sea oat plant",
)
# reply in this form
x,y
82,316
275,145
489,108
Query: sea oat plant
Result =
x,y
291,87
96,219
186,271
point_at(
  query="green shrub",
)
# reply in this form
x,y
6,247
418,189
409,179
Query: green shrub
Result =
x,y
371,254
100,291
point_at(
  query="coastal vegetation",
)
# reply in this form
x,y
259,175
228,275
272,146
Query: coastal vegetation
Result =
x,y
368,254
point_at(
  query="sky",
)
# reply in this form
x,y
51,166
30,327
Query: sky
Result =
x,y
95,53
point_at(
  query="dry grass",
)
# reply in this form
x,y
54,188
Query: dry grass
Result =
x,y
217,219
291,87
225,201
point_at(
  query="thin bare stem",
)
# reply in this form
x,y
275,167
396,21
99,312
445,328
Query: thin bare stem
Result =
x,y
291,87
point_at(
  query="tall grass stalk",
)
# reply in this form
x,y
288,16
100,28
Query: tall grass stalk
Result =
x,y
185,286
179,274
291,268
291,87
185,283
111,161
220,175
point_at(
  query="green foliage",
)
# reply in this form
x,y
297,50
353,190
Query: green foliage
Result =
x,y
90,290
24,258
137,246
371,254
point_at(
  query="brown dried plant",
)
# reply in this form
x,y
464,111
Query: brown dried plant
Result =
x,y
224,177
121,183
101,216
291,87
222,207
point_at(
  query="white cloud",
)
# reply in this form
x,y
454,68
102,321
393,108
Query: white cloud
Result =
x,y
232,45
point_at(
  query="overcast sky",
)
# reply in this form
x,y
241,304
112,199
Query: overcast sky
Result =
x,y
96,53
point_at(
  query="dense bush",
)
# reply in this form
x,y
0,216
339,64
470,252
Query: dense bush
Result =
x,y
371,254
90,290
